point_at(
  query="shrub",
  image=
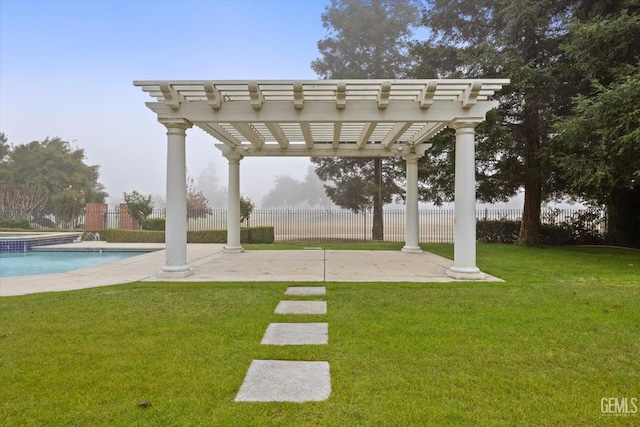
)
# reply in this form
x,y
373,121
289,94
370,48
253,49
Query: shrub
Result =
x,y
14,223
556,234
207,236
121,235
156,224
247,235
260,235
501,231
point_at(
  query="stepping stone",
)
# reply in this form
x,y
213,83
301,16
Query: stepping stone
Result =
x,y
296,334
301,307
306,290
285,381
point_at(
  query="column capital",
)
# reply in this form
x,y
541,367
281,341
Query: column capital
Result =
x,y
465,123
176,123
233,154
413,153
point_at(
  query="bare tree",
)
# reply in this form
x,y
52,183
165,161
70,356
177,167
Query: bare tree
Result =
x,y
21,200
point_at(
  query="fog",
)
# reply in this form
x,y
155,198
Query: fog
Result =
x,y
67,70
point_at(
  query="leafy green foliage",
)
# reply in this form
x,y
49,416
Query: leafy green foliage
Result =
x,y
14,223
68,204
246,207
52,165
247,235
139,206
154,224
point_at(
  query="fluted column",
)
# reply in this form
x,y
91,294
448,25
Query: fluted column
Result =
x,y
233,210
176,217
464,258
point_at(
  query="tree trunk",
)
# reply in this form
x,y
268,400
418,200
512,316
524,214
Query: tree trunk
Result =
x,y
378,225
530,228
620,218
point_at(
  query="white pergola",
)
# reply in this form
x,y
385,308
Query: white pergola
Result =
x,y
338,118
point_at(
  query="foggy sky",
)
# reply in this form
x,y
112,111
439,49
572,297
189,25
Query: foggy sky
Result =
x,y
67,67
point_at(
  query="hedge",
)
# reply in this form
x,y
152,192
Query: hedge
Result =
x,y
505,231
14,223
247,235
157,224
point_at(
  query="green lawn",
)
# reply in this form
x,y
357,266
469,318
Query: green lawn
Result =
x,y
543,348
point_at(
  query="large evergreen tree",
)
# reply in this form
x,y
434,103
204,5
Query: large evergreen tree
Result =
x,y
598,147
368,39
516,39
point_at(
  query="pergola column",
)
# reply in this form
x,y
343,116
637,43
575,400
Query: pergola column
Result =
x,y
233,210
412,232
464,258
176,216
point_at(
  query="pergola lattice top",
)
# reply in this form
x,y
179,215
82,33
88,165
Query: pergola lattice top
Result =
x,y
322,117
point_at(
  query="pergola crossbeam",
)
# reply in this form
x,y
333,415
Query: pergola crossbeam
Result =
x,y
393,135
250,133
278,134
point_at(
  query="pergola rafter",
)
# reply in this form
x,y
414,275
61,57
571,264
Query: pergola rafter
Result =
x,y
342,118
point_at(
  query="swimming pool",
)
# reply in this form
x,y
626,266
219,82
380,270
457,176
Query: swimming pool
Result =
x,y
32,263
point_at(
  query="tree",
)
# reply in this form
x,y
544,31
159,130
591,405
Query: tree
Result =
x,y
210,187
246,207
598,147
516,39
52,165
21,200
286,193
197,203
68,204
139,206
368,39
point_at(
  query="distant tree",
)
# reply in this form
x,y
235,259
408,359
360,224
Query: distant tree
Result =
x,y
4,147
197,203
21,200
208,183
313,189
246,208
52,165
139,206
286,193
68,204
368,39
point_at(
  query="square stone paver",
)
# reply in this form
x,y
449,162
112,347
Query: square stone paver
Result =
x,y
306,290
285,381
301,307
296,334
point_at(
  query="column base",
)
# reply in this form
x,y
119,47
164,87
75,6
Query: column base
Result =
x,y
175,271
465,273
412,250
232,249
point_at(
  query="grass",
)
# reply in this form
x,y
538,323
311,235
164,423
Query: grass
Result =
x,y
543,348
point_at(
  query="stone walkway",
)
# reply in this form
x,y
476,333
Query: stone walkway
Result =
x,y
287,380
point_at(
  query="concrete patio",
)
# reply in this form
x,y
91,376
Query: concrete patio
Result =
x,y
211,264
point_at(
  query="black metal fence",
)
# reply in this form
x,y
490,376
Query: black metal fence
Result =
x,y
299,225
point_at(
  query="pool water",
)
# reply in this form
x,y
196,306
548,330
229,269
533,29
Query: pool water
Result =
x,y
32,263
